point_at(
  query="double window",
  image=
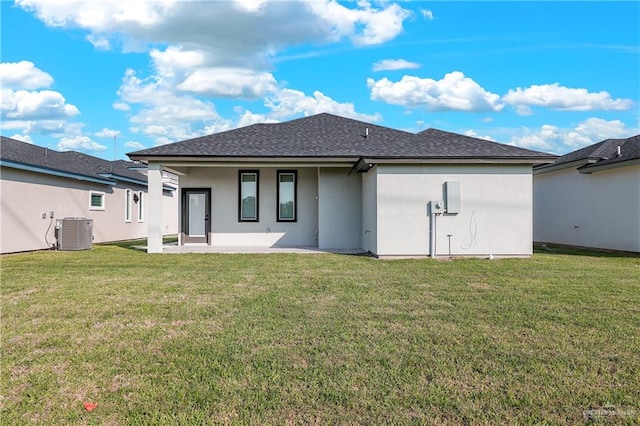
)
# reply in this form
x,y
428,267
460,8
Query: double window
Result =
x,y
248,197
286,195
131,198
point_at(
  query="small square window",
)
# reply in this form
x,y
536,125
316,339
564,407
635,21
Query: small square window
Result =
x,y
96,200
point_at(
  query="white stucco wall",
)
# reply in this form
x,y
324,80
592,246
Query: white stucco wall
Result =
x,y
495,216
339,209
25,196
370,210
268,232
600,210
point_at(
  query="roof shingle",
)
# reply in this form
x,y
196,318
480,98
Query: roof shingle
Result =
x,y
605,152
330,136
68,161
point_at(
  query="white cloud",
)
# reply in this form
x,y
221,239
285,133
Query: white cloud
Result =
x,y
23,75
595,130
79,143
121,106
562,140
287,103
107,133
559,97
35,105
427,14
251,5
229,82
474,134
223,29
394,64
134,145
23,138
211,52
100,43
163,114
177,57
454,92
248,118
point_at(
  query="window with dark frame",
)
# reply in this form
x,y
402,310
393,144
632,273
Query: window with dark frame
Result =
x,y
140,207
248,189
287,195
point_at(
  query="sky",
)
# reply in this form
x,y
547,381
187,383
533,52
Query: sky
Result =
x,y
110,77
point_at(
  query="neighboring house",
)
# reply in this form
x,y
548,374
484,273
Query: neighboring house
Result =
x,y
39,186
339,184
590,197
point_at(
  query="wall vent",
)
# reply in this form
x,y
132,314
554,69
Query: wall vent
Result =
x,y
75,233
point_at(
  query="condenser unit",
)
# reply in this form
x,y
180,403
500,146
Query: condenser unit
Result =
x,y
74,233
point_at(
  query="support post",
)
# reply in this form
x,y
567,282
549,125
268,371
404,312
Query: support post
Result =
x,y
154,210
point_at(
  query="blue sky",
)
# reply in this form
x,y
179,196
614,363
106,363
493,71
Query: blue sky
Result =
x,y
550,76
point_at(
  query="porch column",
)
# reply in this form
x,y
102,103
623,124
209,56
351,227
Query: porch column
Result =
x,y
154,209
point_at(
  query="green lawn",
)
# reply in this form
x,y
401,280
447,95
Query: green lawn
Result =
x,y
277,339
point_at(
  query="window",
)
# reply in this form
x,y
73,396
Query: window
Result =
x,y
127,205
248,197
96,200
287,194
140,209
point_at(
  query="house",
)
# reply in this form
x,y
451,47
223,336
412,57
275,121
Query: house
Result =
x,y
38,186
590,197
340,184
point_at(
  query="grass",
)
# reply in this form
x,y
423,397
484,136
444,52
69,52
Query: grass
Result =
x,y
290,339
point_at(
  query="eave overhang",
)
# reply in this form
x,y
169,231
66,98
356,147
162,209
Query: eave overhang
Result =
x,y
594,168
124,179
328,161
569,165
54,172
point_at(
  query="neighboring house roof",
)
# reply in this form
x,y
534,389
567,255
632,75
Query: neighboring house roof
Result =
x,y
600,156
70,164
328,136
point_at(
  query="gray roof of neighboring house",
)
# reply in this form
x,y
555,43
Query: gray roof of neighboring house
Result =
x,y
600,155
69,162
330,136
606,151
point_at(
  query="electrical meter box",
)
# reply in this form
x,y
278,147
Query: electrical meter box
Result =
x,y
452,197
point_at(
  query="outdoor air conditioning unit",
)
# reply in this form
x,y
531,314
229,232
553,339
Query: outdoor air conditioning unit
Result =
x,y
74,233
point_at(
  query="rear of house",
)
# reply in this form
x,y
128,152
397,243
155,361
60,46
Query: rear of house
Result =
x,y
40,186
340,184
591,197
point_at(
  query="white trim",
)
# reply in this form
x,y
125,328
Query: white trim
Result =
x,y
103,198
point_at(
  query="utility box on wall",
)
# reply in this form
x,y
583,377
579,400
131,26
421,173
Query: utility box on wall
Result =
x,y
74,233
452,197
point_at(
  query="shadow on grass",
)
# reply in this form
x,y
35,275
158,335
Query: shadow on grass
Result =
x,y
142,242
547,248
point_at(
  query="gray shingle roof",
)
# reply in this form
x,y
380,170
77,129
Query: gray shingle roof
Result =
x,y
605,152
68,162
329,136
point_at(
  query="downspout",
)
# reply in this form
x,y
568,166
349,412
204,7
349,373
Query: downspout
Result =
x,y
432,235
